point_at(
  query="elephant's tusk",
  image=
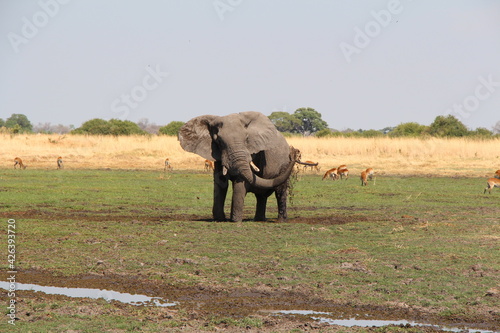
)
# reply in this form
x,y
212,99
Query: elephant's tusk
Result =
x,y
224,170
254,167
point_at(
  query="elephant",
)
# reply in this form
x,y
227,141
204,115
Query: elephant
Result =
x,y
247,150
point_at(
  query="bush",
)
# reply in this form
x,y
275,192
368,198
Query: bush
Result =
x,y
447,126
18,123
112,127
171,128
408,129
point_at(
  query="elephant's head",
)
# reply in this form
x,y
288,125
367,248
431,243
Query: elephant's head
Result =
x,y
232,139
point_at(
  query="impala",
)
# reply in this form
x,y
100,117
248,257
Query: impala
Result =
x,y
370,173
311,164
167,164
18,161
344,172
332,173
209,165
364,178
497,174
492,182
60,163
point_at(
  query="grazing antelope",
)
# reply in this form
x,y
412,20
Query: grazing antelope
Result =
x,y
18,161
312,165
497,174
332,173
167,165
209,165
364,178
492,182
369,173
60,163
343,173
343,166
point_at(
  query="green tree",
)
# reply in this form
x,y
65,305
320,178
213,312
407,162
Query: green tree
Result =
x,y
285,122
310,119
324,133
371,133
124,127
387,130
481,132
112,127
171,128
22,122
447,126
94,126
2,122
408,129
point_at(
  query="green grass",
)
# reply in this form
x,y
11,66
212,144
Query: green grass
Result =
x,y
431,243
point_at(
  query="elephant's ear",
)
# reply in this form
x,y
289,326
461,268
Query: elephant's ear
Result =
x,y
261,131
194,136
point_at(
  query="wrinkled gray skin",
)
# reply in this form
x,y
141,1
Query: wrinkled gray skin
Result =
x,y
233,141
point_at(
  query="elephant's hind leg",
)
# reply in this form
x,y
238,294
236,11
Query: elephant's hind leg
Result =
x,y
281,197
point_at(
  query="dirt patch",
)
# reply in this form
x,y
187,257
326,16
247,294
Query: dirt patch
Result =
x,y
86,215
203,302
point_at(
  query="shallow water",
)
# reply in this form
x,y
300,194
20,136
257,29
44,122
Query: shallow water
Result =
x,y
136,299
108,295
321,317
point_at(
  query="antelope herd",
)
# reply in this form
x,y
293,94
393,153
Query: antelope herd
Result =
x,y
339,173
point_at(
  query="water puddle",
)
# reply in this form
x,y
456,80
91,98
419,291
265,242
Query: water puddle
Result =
x,y
324,317
136,299
108,295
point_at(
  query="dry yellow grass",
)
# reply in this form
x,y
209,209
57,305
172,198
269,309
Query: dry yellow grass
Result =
x,y
445,157
404,156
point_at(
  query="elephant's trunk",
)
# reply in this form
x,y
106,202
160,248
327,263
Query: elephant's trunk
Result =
x,y
243,166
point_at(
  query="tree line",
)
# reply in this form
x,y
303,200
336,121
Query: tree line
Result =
x,y
303,122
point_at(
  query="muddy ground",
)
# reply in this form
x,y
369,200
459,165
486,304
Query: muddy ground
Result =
x,y
202,302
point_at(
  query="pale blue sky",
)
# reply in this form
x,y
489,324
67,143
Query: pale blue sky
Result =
x,y
361,64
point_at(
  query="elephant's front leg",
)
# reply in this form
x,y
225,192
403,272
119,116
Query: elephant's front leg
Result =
x,y
237,205
221,185
260,211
